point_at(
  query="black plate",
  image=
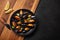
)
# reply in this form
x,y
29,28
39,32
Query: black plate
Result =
x,y
25,12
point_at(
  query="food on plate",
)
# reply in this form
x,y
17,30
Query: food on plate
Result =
x,y
25,21
30,25
17,14
21,12
14,24
19,22
29,15
12,27
28,18
20,30
17,17
31,20
26,29
18,27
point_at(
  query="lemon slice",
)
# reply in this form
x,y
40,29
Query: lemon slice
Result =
x,y
21,12
9,11
7,6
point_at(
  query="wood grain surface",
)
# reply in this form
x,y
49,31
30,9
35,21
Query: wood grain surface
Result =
x,y
2,4
2,13
19,4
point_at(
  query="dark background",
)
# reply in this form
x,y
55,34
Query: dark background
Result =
x,y
48,14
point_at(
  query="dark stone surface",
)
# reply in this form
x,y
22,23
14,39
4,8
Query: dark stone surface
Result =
x,y
48,14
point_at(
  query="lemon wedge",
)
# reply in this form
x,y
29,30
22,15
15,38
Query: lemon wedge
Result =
x,y
7,5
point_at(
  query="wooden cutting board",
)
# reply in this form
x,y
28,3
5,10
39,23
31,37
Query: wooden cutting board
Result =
x,y
19,4
2,14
